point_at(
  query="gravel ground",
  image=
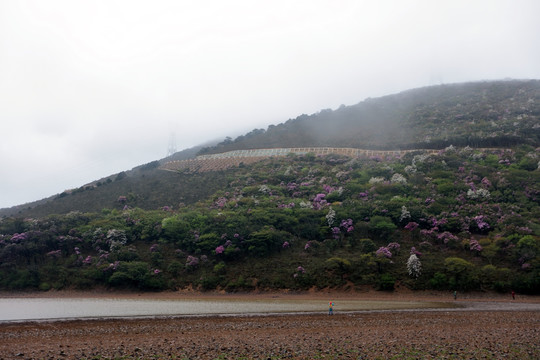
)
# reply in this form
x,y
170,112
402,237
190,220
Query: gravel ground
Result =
x,y
480,330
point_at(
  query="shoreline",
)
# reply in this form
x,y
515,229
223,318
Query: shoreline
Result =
x,y
435,307
438,296
456,307
484,325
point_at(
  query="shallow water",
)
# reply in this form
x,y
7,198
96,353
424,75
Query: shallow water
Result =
x,y
24,309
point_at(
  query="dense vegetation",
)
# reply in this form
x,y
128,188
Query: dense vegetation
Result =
x,y
463,219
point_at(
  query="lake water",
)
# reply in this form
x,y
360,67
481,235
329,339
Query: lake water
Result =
x,y
25,309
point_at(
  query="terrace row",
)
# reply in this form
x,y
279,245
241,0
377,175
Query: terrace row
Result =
x,y
222,161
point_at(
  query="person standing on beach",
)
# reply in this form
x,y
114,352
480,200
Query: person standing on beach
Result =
x,y
455,294
513,295
330,308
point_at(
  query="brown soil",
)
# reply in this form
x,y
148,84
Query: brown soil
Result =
x,y
482,330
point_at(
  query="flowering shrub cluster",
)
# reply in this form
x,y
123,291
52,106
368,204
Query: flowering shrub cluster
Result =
x,y
414,266
192,261
319,201
330,217
475,246
384,252
299,271
458,211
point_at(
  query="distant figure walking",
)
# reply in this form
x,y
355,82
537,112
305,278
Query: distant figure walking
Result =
x,y
330,308
513,295
455,294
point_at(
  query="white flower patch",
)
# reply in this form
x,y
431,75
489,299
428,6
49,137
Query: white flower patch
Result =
x,y
398,179
376,180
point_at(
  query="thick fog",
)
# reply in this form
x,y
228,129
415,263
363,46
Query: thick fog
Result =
x,y
88,89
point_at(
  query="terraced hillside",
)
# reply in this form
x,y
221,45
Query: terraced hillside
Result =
x,y
235,158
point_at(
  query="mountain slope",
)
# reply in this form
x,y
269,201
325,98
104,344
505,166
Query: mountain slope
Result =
x,y
481,114
460,218
470,217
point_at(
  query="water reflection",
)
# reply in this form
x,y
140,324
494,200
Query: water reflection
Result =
x,y
18,309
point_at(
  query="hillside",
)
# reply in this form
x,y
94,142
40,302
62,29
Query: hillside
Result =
x,y
481,114
147,186
313,216
460,219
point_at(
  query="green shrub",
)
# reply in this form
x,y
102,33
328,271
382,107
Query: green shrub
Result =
x,y
439,281
386,282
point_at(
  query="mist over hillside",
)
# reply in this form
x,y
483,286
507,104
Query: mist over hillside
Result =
x,y
479,114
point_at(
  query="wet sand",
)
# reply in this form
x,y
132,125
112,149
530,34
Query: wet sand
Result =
x,y
486,327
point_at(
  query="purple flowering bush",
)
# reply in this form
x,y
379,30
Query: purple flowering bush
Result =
x,y
192,261
220,250
384,252
262,219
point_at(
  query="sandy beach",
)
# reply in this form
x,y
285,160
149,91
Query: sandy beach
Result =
x,y
482,327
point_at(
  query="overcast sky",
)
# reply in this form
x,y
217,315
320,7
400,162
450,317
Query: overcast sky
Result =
x,y
92,88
